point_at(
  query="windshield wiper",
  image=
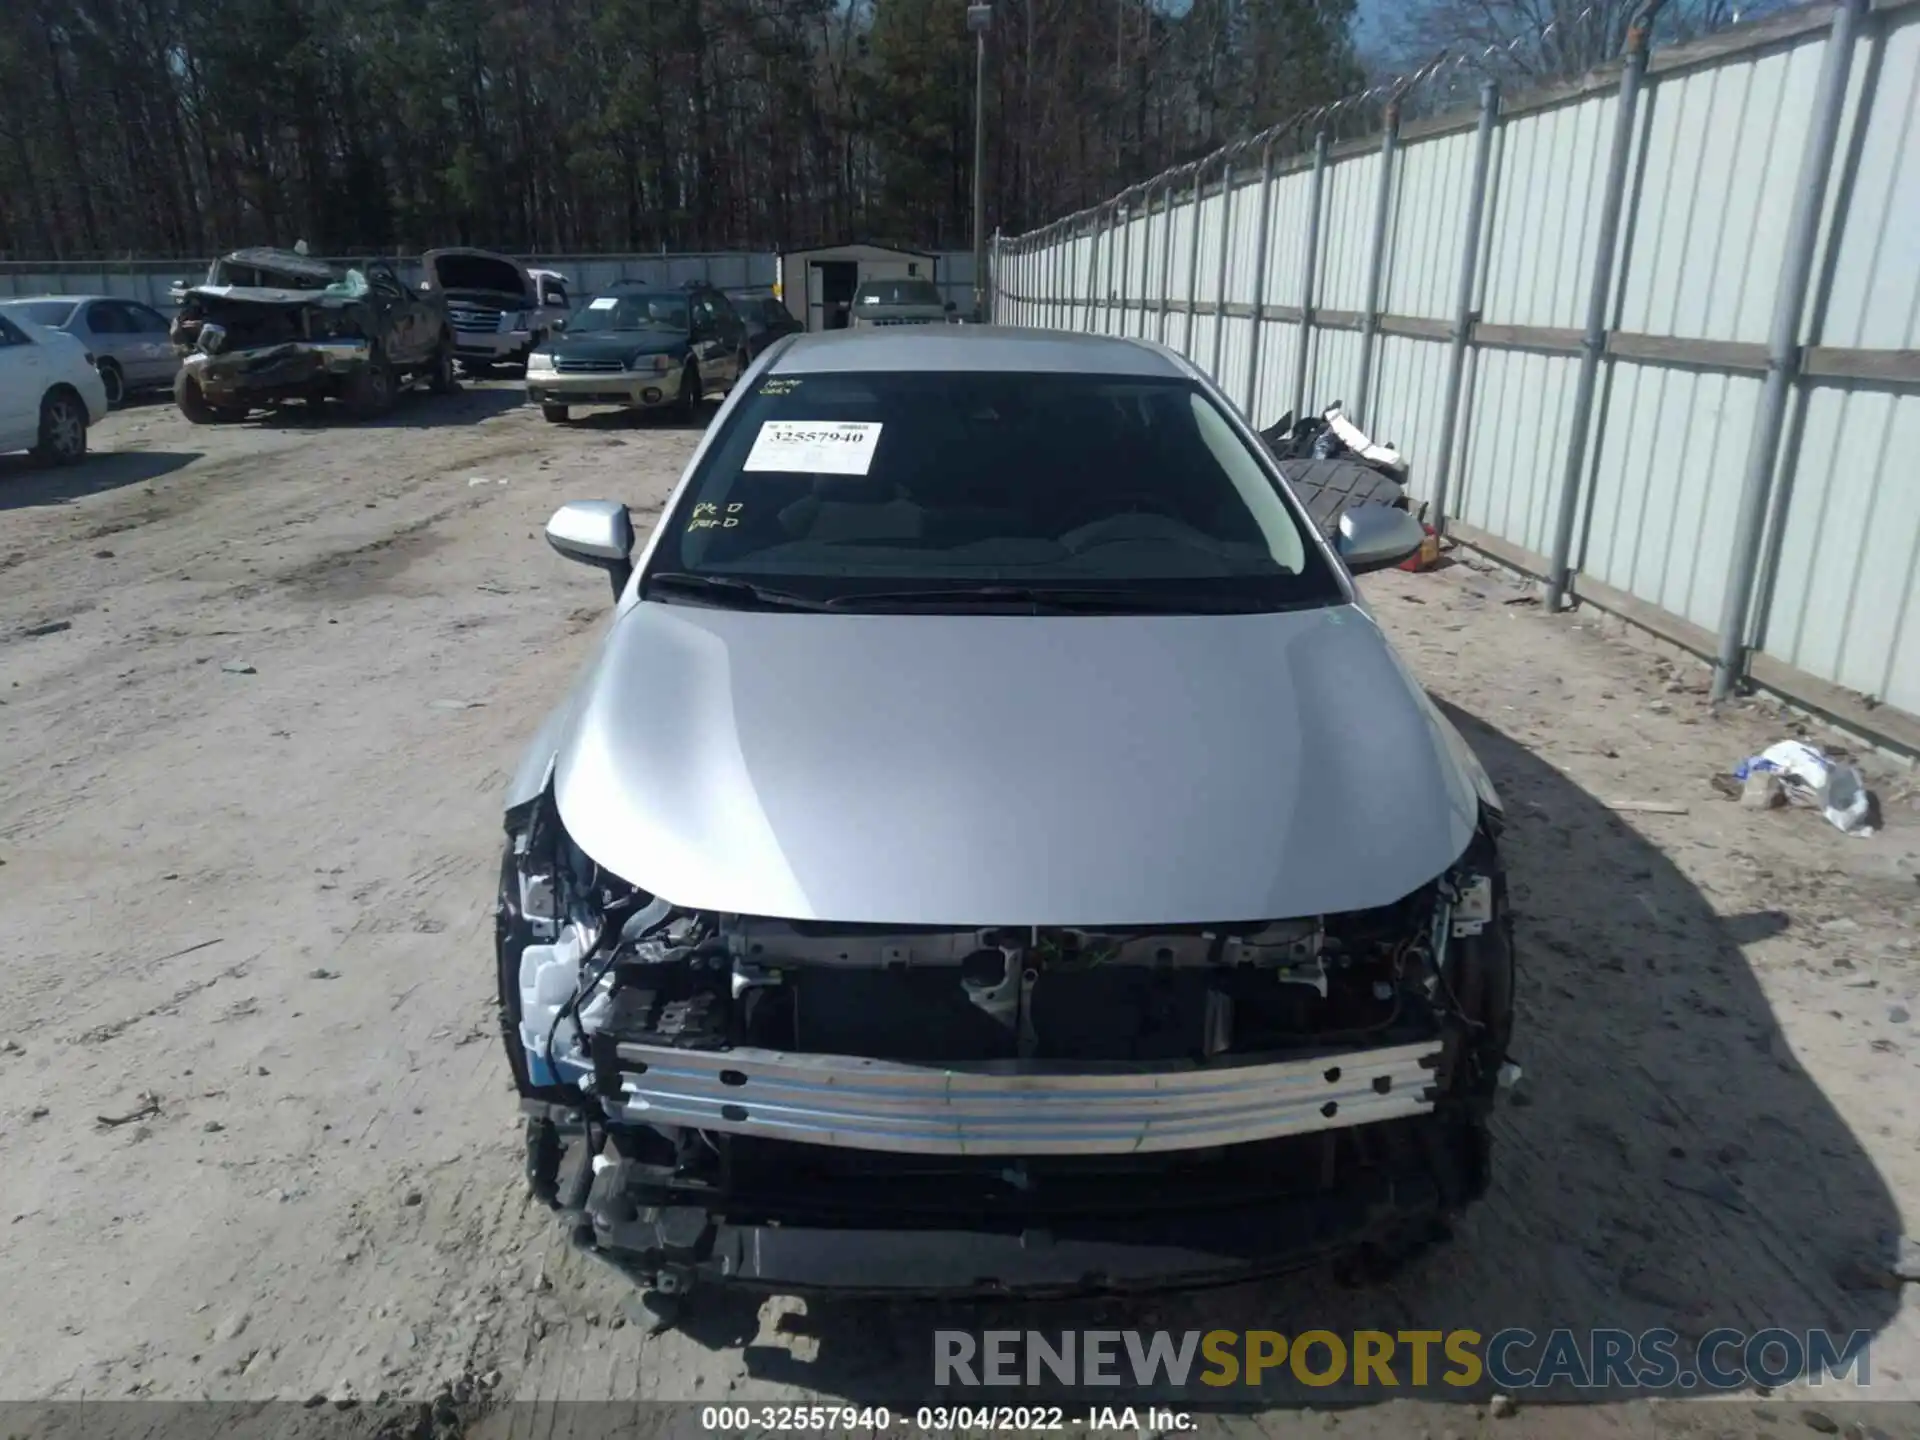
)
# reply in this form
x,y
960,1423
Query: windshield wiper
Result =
x,y
1112,600
725,589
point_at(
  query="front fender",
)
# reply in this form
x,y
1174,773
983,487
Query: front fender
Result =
x,y
537,760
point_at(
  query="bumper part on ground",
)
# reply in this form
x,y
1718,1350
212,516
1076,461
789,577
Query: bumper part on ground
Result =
x,y
1017,1110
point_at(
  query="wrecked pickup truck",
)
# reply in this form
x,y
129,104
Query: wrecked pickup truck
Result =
x,y
994,850
270,326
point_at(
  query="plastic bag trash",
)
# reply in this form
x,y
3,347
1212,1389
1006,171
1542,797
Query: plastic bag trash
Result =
x,y
1812,780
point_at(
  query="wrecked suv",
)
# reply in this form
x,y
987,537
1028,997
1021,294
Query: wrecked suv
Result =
x,y
994,849
270,326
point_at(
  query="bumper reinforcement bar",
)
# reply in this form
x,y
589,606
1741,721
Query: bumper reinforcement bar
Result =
x,y
1018,1108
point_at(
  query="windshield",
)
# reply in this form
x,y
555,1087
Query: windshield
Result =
x,y
837,486
51,313
898,292
631,310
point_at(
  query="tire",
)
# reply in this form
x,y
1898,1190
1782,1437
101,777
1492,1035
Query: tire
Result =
x,y
477,369
687,406
115,382
555,414
440,377
194,404
370,389
63,428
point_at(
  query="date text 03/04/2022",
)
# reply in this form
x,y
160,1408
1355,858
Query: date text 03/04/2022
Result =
x,y
1023,1418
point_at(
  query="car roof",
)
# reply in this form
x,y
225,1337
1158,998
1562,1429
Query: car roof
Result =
x,y
66,299
288,262
975,347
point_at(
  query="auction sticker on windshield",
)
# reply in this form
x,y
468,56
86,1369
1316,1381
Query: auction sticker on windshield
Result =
x,y
603,302
815,448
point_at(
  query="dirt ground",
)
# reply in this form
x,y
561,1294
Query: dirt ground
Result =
x,y
260,689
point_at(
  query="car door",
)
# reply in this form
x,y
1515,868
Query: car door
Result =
x,y
400,313
708,348
106,328
22,382
157,360
733,336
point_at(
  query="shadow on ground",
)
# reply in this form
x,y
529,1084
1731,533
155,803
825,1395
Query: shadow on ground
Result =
x,y
663,418
25,483
414,409
1670,1165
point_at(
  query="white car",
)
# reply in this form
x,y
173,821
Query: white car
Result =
x,y
49,392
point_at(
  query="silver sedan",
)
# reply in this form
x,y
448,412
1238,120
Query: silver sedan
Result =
x,y
128,340
992,810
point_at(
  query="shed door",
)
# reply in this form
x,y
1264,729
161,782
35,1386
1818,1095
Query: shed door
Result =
x,y
816,299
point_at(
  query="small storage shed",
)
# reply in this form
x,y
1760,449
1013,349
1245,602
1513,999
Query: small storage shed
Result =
x,y
817,286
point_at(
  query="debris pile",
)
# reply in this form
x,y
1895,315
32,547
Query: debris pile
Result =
x,y
1794,772
1334,466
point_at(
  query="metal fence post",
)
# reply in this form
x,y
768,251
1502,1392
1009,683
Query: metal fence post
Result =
x,y
1463,300
1126,265
1106,290
1377,260
1259,275
1166,260
1316,194
1220,276
1594,342
1093,264
1783,345
1193,259
1146,263
1063,273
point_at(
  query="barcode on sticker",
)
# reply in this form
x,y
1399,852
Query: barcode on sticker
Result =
x,y
815,448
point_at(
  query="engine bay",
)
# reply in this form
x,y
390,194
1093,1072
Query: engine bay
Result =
x,y
605,964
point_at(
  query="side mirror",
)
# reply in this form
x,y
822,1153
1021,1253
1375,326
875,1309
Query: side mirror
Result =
x,y
597,533
1377,537
558,324
951,307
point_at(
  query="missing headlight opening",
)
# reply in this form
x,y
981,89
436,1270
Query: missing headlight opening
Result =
x,y
698,1083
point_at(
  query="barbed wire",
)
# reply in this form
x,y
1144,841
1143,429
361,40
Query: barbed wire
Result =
x,y
1392,91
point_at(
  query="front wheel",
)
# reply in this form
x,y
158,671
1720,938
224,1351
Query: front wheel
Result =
x,y
370,389
688,405
440,377
63,429
199,410
555,414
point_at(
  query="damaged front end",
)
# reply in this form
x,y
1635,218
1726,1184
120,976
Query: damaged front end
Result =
x,y
799,1105
242,347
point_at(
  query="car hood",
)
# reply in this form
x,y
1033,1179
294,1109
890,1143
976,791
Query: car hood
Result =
x,y
611,346
483,271
1010,770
